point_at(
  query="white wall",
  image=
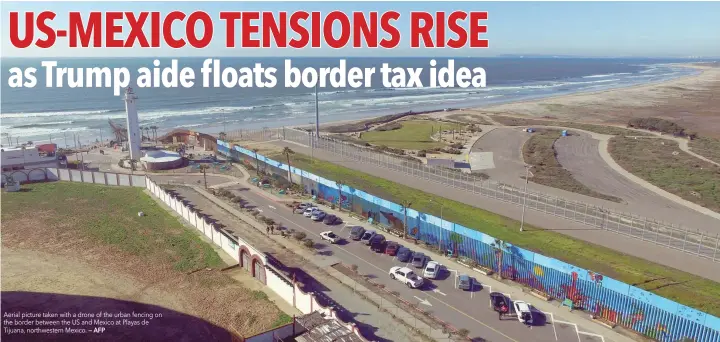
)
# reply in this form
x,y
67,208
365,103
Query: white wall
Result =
x,y
291,293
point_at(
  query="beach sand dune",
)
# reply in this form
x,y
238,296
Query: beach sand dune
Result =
x,y
693,102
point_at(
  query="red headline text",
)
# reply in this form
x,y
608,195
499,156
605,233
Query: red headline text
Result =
x,y
248,29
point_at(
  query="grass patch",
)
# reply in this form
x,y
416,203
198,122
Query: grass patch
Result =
x,y
282,319
259,295
539,151
109,215
414,135
706,147
662,163
601,129
689,289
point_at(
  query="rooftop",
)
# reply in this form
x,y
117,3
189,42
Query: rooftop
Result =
x,y
323,329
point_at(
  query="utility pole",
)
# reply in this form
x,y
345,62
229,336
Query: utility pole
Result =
x,y
65,136
406,204
317,125
527,180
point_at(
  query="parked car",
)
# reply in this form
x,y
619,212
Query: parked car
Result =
x,y
404,254
406,276
309,211
332,220
367,236
465,282
330,236
318,215
377,243
523,312
302,207
419,260
432,270
391,248
356,232
500,303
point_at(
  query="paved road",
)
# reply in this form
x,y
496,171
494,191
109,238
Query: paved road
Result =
x,y
505,144
462,309
669,257
580,155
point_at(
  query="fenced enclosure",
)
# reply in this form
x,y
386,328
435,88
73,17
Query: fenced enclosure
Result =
x,y
692,241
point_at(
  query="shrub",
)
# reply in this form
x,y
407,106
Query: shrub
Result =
x,y
422,153
299,236
237,199
308,243
354,268
457,145
658,125
254,213
389,127
462,332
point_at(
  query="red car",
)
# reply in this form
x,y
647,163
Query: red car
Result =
x,y
391,248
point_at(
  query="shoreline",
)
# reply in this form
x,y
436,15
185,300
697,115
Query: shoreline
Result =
x,y
700,72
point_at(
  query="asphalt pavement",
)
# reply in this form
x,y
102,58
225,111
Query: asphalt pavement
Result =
x,y
462,309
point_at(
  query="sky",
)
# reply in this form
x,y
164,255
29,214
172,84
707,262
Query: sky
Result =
x,y
590,29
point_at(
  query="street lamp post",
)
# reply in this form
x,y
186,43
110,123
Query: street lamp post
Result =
x,y
527,180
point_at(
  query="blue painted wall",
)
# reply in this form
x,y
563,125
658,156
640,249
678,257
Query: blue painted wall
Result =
x,y
629,306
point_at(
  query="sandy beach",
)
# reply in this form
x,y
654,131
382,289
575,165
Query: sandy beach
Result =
x,y
691,101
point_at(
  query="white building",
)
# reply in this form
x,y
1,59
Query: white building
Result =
x,y
26,157
133,125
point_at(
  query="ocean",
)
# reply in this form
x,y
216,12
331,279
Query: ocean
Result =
x,y
57,114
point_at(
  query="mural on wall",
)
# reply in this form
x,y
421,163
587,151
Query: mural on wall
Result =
x,y
640,310
395,223
597,278
572,291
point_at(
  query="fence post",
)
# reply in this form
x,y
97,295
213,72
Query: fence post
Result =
x,y
702,234
717,239
645,226
685,241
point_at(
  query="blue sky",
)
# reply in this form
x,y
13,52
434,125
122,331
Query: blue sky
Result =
x,y
635,29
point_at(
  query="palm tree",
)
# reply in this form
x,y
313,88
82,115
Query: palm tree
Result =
x,y
223,135
456,239
257,162
340,185
154,129
203,168
500,246
405,204
287,152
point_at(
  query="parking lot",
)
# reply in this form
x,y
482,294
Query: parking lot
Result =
x,y
468,309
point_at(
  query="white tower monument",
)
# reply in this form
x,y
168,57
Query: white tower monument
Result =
x,y
133,127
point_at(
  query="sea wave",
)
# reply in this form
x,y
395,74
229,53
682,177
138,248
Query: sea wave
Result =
x,y
608,75
42,131
51,123
47,114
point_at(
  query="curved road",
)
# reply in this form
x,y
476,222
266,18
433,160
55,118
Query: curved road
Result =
x,y
579,154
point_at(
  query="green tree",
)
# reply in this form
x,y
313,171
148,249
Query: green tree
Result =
x,y
222,136
154,129
339,184
287,152
203,168
500,246
456,239
257,162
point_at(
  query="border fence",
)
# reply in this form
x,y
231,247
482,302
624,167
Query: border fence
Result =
x,y
606,298
694,242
